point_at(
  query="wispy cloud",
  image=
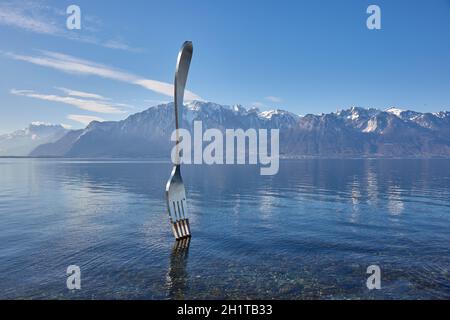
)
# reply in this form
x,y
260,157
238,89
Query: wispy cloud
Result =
x,y
15,16
85,120
82,94
35,17
41,123
274,99
70,64
156,102
117,44
98,106
257,104
262,105
66,126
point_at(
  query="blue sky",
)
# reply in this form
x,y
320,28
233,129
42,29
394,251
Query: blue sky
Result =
x,y
302,56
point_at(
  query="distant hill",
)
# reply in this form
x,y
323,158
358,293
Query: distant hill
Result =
x,y
22,142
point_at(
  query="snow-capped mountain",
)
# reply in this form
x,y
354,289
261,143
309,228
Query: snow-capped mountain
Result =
x,y
358,132
22,142
353,132
148,133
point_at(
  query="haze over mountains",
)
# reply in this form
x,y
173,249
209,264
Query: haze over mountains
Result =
x,y
23,142
354,132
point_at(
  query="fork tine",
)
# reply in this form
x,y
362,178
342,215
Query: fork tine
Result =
x,y
188,227
172,224
179,223
186,234
175,231
185,220
180,227
182,218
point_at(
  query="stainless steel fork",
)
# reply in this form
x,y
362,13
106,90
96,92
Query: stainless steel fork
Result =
x,y
175,191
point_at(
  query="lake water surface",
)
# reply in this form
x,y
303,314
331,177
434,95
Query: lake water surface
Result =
x,y
309,232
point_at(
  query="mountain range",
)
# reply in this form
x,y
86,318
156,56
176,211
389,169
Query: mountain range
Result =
x,y
23,142
353,132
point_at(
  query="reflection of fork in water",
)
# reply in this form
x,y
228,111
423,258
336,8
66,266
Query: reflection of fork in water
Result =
x,y
176,279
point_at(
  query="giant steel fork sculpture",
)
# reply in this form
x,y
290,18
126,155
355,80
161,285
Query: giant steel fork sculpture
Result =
x,y
175,191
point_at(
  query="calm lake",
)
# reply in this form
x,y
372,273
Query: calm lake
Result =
x,y
309,232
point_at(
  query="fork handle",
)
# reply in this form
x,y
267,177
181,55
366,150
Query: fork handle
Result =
x,y
181,74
